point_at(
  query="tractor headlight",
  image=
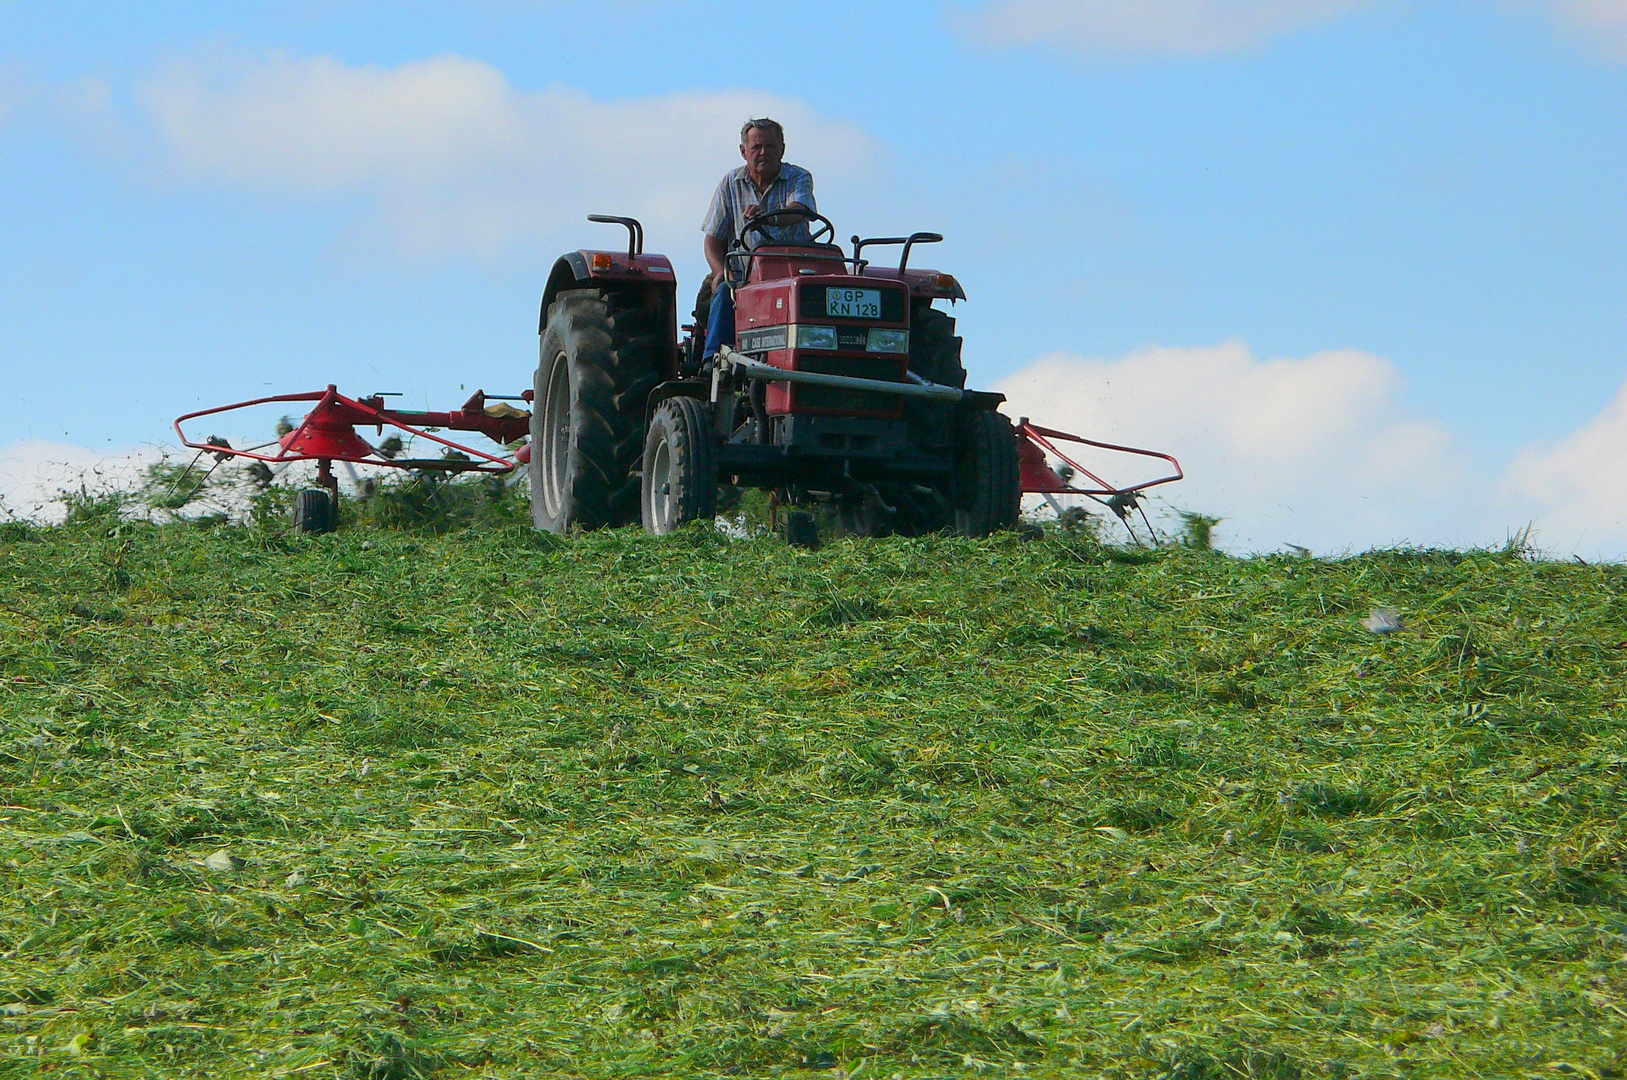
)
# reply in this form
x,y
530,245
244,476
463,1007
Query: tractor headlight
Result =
x,y
816,337
894,341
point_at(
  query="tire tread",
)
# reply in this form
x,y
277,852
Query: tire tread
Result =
x,y
988,484
688,422
614,345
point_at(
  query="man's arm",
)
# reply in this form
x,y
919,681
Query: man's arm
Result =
x,y
718,227
755,210
800,197
715,251
801,194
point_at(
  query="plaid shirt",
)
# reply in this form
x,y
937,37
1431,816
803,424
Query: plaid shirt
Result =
x,y
736,192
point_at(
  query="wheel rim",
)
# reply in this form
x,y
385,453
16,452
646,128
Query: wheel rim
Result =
x,y
661,485
556,436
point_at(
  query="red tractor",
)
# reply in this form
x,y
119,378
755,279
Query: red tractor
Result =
x,y
845,385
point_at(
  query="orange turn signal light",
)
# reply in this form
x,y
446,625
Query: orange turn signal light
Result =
x,y
601,261
946,281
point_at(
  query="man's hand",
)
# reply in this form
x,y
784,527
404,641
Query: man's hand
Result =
x,y
755,210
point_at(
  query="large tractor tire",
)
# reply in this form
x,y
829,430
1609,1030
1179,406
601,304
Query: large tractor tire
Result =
x,y
934,348
935,357
601,355
987,488
679,482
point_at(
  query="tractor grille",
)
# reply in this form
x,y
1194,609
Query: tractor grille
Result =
x,y
822,398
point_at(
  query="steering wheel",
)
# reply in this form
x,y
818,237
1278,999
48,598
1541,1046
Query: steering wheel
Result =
x,y
821,225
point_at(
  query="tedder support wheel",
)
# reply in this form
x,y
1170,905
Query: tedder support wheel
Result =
x,y
802,530
987,488
601,356
679,483
314,511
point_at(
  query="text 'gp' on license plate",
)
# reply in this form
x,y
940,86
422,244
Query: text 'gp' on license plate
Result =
x,y
853,303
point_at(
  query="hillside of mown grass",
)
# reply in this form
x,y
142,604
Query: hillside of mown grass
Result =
x,y
381,805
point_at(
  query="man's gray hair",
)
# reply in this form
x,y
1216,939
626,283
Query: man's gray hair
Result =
x,y
763,124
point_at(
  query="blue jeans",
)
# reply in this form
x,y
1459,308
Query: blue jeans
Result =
x,y
720,324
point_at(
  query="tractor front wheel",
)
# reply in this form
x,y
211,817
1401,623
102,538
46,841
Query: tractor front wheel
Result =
x,y
600,357
679,483
987,487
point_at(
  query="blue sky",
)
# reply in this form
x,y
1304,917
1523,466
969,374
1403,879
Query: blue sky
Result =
x,y
1331,252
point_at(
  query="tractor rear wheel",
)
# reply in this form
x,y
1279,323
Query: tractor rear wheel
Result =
x,y
679,482
934,348
935,357
987,487
600,357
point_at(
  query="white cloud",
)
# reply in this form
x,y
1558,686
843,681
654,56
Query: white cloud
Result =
x,y
1316,451
1189,27
453,159
34,474
1602,22
1320,451
1579,485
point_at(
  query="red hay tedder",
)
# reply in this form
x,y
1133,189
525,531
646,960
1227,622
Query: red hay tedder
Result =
x,y
845,386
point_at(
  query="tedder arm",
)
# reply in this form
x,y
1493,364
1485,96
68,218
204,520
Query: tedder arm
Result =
x,y
1039,478
328,432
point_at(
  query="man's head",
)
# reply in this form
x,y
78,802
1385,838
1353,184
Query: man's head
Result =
x,y
762,144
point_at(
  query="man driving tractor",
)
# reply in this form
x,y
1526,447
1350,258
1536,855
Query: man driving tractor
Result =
x,y
765,184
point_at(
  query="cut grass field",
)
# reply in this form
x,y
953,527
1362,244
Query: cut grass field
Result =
x,y
379,805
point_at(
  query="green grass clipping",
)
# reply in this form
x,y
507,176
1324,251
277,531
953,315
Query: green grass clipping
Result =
x,y
473,802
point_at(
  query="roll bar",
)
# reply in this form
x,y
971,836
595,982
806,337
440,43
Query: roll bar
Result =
x,y
635,231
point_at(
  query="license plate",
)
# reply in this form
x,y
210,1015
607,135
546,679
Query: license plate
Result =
x,y
853,303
